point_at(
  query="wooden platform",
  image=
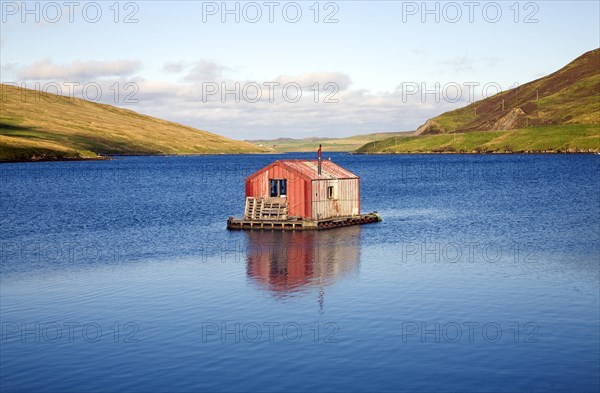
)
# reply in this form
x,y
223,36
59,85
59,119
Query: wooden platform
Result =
x,y
302,225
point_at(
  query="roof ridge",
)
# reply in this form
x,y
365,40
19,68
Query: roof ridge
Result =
x,y
308,168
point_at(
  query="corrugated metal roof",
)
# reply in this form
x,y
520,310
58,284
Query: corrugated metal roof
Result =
x,y
309,168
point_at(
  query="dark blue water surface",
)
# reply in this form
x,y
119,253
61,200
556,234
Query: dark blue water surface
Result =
x,y
120,276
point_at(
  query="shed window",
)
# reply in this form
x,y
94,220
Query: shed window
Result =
x,y
278,187
283,187
330,194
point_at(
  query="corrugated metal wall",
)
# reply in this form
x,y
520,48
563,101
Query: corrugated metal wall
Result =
x,y
345,201
298,189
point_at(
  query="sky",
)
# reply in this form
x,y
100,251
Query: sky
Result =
x,y
270,69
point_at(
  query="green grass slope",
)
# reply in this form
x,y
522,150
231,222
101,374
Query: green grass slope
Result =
x,y
570,95
43,126
571,138
557,113
347,144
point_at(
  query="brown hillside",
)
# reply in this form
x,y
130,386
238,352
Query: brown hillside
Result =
x,y
44,126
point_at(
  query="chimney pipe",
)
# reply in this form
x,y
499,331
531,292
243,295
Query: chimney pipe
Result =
x,y
319,164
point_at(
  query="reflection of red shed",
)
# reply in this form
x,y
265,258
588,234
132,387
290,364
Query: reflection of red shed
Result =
x,y
299,188
285,262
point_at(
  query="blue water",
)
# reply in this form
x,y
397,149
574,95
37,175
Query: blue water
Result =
x,y
120,276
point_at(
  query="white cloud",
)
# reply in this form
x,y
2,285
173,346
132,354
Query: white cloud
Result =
x,y
78,70
8,70
308,80
492,61
175,67
459,64
357,111
206,71
466,63
350,111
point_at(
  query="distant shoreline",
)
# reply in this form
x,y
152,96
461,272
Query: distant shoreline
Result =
x,y
478,153
56,160
112,157
117,156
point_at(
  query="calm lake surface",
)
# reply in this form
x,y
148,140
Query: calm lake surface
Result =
x,y
120,276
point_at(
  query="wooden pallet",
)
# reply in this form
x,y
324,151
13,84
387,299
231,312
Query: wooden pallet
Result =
x,y
270,209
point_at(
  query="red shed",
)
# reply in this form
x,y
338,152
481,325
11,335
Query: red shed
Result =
x,y
288,189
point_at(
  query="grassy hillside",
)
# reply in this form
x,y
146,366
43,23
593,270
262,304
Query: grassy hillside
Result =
x,y
572,138
557,113
42,126
287,145
570,95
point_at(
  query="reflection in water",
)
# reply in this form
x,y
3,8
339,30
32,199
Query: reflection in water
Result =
x,y
287,262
